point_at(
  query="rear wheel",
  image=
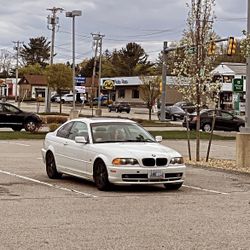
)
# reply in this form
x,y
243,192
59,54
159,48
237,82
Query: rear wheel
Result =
x,y
172,186
207,127
51,167
101,176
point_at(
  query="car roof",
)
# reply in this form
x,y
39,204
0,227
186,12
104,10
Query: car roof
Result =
x,y
102,119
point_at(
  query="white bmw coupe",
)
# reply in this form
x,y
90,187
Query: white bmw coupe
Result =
x,y
111,151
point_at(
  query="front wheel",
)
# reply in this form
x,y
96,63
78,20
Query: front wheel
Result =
x,y
207,127
101,176
30,126
51,167
172,186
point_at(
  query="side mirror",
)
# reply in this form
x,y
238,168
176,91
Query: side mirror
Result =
x,y
80,139
158,138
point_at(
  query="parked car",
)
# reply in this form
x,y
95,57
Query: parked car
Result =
x,y
103,100
67,98
53,97
188,106
223,121
13,117
173,113
119,107
111,151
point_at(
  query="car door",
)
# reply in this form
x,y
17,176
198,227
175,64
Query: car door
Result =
x,y
225,121
59,145
2,115
11,116
76,153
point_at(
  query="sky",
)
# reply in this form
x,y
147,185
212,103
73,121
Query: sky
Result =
x,y
146,22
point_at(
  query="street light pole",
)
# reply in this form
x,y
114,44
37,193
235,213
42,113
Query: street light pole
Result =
x,y
73,14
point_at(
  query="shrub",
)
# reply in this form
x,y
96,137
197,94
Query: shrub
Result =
x,y
53,126
56,119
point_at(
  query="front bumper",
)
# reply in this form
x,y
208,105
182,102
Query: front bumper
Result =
x,y
141,175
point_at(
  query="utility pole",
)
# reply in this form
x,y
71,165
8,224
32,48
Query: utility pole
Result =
x,y
164,80
17,48
98,43
53,20
99,37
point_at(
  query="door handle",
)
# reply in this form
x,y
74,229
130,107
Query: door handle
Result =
x,y
65,143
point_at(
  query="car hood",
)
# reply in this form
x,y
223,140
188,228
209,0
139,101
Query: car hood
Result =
x,y
135,150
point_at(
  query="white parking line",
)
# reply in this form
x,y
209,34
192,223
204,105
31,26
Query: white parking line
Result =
x,y
48,184
205,190
16,143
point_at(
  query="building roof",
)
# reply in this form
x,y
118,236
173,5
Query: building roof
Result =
x,y
228,68
33,80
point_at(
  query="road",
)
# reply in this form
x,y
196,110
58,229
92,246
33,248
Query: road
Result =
x,y
211,211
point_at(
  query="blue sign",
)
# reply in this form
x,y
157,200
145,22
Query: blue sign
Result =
x,y
80,80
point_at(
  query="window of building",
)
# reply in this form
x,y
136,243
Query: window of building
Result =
x,y
121,93
135,93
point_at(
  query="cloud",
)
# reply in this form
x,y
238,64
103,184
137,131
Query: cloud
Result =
x,y
147,22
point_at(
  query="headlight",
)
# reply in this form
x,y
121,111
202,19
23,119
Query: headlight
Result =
x,y
124,161
177,160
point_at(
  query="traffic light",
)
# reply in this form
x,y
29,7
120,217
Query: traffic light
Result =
x,y
211,48
231,47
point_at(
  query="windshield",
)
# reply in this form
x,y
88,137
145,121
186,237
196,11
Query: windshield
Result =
x,y
109,132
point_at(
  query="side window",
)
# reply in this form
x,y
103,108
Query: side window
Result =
x,y
226,116
64,130
78,129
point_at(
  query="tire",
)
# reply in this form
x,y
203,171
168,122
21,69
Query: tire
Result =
x,y
101,176
128,111
51,167
173,118
30,126
172,186
239,128
116,110
207,127
17,128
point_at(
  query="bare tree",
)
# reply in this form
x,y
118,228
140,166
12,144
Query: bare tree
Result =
x,y
6,62
150,90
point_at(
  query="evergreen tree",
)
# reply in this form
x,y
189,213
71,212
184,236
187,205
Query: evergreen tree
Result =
x,y
37,51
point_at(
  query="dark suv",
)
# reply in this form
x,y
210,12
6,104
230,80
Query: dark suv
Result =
x,y
119,107
13,117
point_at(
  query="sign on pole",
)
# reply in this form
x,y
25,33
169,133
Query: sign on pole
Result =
x,y
79,80
238,85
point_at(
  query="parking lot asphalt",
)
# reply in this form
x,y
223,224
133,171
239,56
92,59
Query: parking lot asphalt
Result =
x,y
211,210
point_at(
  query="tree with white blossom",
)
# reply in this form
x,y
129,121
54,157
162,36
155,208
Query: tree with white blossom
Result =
x,y
197,64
